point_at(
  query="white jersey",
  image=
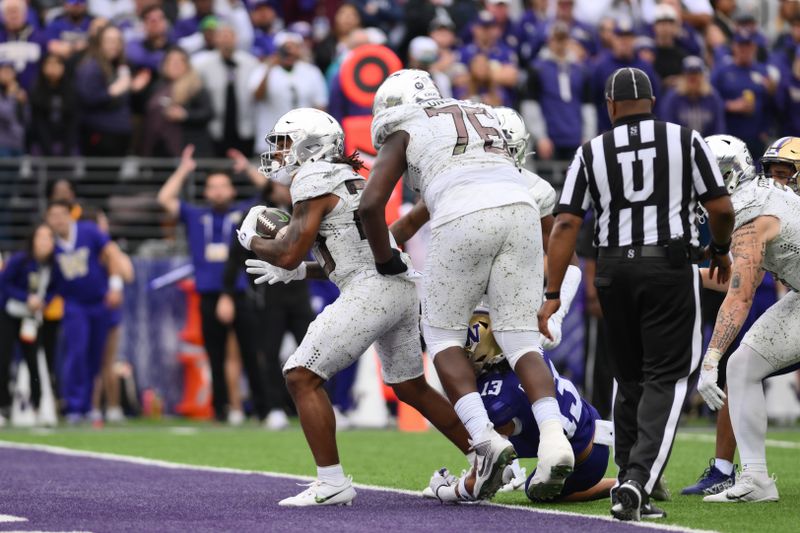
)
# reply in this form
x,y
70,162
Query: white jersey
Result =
x,y
542,192
764,197
341,247
456,157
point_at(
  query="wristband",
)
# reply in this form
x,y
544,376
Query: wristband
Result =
x,y
393,266
554,295
115,283
720,249
714,355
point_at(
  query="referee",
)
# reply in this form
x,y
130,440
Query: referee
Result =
x,y
643,178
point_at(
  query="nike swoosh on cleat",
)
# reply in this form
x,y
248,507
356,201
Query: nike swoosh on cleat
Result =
x,y
739,497
323,500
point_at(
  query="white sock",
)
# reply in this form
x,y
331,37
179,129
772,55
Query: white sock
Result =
x,y
516,468
546,409
332,475
472,413
745,372
759,469
723,465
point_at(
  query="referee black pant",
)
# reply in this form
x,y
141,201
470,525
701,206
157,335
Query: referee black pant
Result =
x,y
652,316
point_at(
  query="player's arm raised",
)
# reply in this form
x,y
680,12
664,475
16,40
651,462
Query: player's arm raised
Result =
x,y
748,249
289,252
408,225
168,196
560,250
389,166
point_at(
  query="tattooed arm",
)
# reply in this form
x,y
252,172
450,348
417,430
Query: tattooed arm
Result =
x,y
748,248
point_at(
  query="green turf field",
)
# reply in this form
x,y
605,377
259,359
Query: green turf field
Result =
x,y
406,460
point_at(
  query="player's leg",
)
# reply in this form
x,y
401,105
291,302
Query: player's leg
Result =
x,y
588,481
215,338
9,333
98,334
457,268
515,293
339,335
30,352
75,360
773,343
400,353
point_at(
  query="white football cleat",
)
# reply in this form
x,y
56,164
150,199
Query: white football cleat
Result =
x,y
493,456
235,418
321,493
3,421
276,420
514,479
748,488
556,463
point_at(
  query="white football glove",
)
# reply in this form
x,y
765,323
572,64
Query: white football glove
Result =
x,y
411,274
271,274
554,325
707,386
247,230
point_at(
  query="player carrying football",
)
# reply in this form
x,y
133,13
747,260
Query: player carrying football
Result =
x,y
306,154
766,237
485,238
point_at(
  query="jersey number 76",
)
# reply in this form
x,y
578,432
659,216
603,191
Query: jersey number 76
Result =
x,y
461,114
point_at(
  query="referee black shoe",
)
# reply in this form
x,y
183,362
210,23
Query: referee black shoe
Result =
x,y
631,503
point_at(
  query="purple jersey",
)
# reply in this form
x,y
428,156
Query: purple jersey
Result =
x,y
210,234
78,257
506,401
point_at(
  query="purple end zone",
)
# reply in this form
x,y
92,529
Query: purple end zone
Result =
x,y
57,492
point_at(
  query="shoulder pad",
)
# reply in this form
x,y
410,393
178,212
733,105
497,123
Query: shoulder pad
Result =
x,y
391,120
750,199
318,179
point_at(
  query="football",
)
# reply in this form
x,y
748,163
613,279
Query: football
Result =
x,y
272,223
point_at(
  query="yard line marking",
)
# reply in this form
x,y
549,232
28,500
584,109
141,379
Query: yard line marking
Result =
x,y
57,450
7,518
179,430
772,443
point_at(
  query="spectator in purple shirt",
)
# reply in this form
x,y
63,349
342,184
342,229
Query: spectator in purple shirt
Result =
x,y
264,16
745,86
786,49
12,113
560,87
622,55
104,84
20,43
28,283
188,26
148,51
500,9
787,98
68,34
498,71
694,103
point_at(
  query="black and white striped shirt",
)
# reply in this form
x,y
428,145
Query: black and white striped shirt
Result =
x,y
644,178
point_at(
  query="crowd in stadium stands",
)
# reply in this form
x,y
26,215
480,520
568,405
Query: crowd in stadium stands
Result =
x,y
151,77
118,77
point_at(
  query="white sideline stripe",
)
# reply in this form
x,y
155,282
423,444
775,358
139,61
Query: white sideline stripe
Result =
x,y
57,450
7,518
772,443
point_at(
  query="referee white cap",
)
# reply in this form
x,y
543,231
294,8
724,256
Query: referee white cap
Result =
x,y
629,84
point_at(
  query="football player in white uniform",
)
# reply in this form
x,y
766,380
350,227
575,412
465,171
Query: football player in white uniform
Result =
x,y
306,154
766,237
482,217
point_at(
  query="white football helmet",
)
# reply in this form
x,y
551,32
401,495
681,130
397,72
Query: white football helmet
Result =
x,y
516,134
407,86
734,159
300,136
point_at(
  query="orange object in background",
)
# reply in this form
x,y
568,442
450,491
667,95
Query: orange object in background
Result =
x,y
196,401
